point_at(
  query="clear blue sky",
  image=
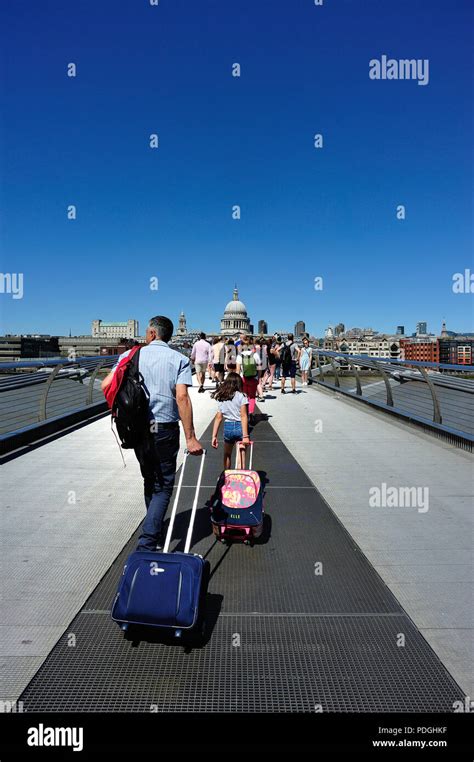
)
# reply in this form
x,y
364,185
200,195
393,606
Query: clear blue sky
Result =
x,y
225,141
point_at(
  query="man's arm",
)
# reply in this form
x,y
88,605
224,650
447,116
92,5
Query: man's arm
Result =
x,y
215,429
107,380
185,409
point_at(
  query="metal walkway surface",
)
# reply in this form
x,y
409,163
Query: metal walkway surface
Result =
x,y
280,637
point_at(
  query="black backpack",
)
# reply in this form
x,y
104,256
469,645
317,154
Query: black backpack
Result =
x,y
130,409
286,355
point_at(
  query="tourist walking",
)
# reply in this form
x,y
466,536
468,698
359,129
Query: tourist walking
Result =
x,y
271,365
218,349
201,356
262,367
233,410
230,357
289,354
166,377
248,361
276,346
305,359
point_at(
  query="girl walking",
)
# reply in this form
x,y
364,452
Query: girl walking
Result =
x,y
232,410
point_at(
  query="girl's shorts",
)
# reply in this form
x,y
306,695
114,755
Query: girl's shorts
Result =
x,y
232,431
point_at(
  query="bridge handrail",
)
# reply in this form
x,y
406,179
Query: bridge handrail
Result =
x,y
86,367
426,372
395,361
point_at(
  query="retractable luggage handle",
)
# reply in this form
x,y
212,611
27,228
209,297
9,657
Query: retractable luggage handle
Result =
x,y
175,505
237,454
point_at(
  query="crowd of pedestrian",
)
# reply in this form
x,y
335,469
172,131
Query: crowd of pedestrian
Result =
x,y
244,369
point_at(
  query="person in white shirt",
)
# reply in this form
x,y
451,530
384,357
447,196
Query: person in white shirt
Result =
x,y
201,356
233,411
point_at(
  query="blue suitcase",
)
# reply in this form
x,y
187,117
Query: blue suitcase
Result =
x,y
166,590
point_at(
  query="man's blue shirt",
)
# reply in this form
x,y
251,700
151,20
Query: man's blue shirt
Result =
x,y
162,368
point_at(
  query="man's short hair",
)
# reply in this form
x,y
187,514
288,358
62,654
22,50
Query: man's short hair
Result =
x,y
163,327
202,335
290,337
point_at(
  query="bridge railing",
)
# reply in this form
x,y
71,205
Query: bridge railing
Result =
x,y
44,396
448,386
34,393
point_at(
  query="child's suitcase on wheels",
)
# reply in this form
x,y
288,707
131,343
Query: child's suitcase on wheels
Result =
x,y
162,589
237,503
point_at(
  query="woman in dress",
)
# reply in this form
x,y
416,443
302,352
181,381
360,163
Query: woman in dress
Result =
x,y
306,356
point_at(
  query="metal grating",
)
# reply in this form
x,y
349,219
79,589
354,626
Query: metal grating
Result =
x,y
283,664
279,637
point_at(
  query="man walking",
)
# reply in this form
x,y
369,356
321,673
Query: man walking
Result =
x,y
166,376
202,357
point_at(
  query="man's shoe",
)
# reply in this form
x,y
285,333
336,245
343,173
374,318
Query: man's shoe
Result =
x,y
282,391
293,391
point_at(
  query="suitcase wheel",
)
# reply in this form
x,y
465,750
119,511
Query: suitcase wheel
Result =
x,y
178,633
124,626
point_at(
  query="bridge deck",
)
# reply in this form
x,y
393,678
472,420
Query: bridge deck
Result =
x,y
280,637
305,639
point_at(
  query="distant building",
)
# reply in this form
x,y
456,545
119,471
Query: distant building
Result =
x,y
126,330
400,330
182,325
372,346
262,327
329,332
235,319
300,329
339,329
353,333
13,348
421,329
420,348
458,350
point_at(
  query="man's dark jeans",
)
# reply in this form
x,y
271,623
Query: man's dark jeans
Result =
x,y
157,460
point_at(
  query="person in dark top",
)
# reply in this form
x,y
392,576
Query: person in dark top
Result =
x,y
289,356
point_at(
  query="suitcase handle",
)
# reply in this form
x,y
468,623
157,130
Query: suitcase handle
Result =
x,y
175,505
240,461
